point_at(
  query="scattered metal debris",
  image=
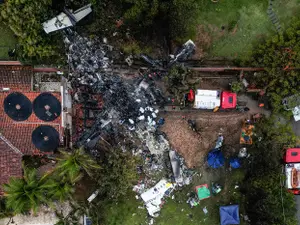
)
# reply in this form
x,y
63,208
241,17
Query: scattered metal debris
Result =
x,y
125,109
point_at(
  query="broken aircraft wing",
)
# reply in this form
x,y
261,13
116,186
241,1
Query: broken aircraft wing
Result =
x,y
66,19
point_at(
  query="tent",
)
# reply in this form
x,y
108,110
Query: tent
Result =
x,y
215,158
202,191
235,163
229,215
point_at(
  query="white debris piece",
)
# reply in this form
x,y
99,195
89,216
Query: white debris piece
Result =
x,y
153,115
138,100
153,197
144,85
142,110
66,19
156,111
141,117
131,121
93,196
242,153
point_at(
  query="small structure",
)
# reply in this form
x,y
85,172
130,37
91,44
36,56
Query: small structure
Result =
x,y
228,100
215,158
153,197
202,191
66,19
207,99
229,215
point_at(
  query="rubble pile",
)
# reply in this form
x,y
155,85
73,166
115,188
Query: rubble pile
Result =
x,y
133,104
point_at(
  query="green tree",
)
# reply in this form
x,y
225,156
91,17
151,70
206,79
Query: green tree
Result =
x,y
61,190
72,165
25,19
266,195
4,211
118,173
27,193
279,55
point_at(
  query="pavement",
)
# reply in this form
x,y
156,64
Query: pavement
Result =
x,y
296,129
297,199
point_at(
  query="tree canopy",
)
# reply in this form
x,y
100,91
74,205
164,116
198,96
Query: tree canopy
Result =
x,y
279,56
264,187
25,18
72,165
28,192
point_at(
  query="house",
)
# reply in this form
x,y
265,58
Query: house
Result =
x,y
16,135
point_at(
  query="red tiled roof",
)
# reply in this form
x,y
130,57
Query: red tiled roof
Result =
x,y
17,78
10,163
15,137
19,133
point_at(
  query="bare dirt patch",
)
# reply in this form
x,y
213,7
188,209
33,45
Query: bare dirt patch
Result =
x,y
214,83
195,146
203,41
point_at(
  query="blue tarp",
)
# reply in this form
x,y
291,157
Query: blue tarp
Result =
x,y
229,215
235,163
215,158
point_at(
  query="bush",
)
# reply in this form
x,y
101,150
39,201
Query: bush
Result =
x,y
236,86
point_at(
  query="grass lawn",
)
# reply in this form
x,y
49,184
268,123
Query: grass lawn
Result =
x,y
245,23
7,41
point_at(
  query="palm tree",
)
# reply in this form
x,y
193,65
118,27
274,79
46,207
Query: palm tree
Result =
x,y
73,165
61,190
27,193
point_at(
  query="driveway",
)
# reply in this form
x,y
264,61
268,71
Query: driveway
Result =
x,y
296,126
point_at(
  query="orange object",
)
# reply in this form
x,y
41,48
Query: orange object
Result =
x,y
216,109
119,23
261,105
294,178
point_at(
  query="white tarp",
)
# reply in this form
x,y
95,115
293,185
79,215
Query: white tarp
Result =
x,y
153,197
288,173
296,113
207,99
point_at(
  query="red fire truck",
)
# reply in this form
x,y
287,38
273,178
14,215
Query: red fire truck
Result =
x,y
292,170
